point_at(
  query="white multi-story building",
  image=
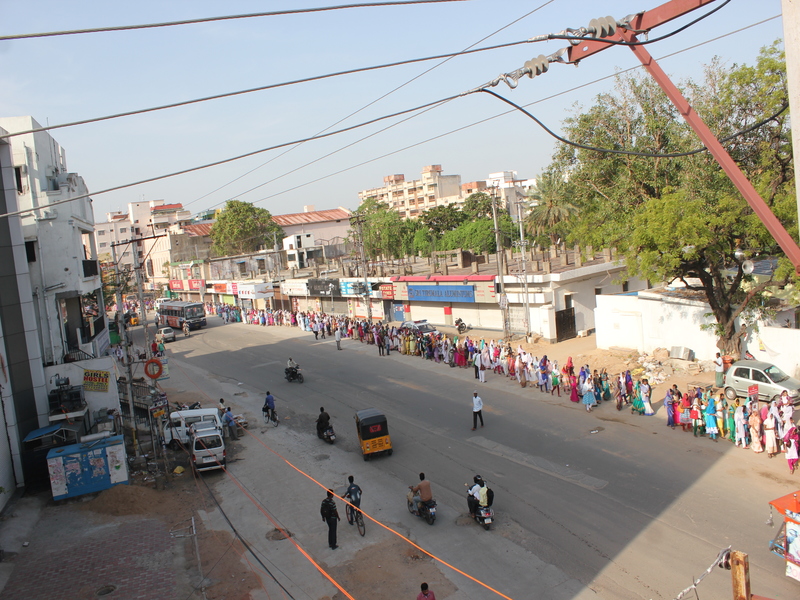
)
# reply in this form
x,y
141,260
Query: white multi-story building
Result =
x,y
51,305
412,198
115,231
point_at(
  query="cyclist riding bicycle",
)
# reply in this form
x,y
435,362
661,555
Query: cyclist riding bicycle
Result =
x,y
269,407
353,495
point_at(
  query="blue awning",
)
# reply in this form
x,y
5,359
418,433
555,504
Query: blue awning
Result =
x,y
37,434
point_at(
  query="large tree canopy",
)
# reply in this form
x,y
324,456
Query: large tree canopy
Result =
x,y
682,217
242,228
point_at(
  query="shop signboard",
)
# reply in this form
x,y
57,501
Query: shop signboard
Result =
x,y
387,291
176,284
255,291
197,284
220,288
294,288
324,287
441,293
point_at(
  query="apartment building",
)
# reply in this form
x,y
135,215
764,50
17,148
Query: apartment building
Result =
x,y
412,198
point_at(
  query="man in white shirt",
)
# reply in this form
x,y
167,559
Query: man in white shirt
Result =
x,y
718,373
338,336
477,409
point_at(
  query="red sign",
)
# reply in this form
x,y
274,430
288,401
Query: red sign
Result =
x,y
197,284
752,390
387,291
176,284
220,288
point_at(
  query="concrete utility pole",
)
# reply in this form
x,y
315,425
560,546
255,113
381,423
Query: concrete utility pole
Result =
x,y
501,288
523,247
123,334
358,220
791,46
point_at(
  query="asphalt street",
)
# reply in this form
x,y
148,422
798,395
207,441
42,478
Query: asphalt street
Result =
x,y
604,505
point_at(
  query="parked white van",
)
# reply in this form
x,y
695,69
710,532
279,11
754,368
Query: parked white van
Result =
x,y
176,429
208,449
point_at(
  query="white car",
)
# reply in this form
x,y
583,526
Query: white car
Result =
x,y
422,326
165,334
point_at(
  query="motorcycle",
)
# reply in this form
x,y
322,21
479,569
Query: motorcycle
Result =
x,y
483,515
427,510
461,326
328,435
184,406
293,374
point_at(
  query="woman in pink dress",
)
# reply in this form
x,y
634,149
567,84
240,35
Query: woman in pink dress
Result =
x,y
573,387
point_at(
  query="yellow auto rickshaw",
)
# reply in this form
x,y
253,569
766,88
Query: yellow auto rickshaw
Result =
x,y
373,433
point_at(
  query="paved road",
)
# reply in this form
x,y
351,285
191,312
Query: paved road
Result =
x,y
606,504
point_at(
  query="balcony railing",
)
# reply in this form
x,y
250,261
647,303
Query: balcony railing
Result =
x,y
91,268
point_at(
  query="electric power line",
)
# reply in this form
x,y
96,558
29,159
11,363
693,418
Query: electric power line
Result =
x,y
424,106
464,51
222,18
257,89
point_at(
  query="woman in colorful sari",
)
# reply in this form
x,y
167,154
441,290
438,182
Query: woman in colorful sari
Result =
x,y
597,387
543,379
645,390
573,388
519,365
770,437
637,407
569,367
711,419
686,413
606,385
721,412
791,440
628,388
730,423
555,379
669,401
616,390
755,424
511,365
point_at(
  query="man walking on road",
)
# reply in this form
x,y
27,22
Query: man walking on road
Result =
x,y
425,594
477,409
338,337
330,516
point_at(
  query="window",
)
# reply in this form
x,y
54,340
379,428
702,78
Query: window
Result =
x,y
101,232
742,372
567,300
625,286
18,179
103,244
123,230
598,291
30,250
760,377
242,269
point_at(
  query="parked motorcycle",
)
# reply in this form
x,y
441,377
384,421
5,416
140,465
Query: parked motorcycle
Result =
x,y
461,326
427,510
482,515
293,374
328,434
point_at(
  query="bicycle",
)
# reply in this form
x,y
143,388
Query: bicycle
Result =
x,y
271,416
354,514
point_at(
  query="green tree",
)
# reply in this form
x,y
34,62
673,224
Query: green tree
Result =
x,y
553,209
477,206
383,229
242,228
683,218
440,219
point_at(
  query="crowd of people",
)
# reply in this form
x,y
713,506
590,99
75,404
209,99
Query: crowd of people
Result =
x,y
761,427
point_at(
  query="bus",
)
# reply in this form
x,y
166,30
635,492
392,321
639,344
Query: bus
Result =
x,y
176,313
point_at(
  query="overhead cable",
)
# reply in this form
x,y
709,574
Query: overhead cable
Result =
x,y
424,106
258,89
402,85
230,159
222,18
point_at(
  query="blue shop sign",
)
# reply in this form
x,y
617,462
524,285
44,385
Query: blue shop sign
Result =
x,y
441,293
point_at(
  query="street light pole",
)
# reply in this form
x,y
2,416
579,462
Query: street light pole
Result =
x,y
358,220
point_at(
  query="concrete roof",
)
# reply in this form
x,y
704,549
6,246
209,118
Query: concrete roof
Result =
x,y
177,206
316,216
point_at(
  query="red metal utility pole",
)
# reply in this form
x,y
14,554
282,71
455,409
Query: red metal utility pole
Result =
x,y
658,16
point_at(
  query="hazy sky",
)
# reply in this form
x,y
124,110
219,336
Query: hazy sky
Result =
x,y
68,78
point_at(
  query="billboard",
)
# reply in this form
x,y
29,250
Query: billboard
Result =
x,y
324,287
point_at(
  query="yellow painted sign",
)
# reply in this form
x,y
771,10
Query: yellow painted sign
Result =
x,y
96,381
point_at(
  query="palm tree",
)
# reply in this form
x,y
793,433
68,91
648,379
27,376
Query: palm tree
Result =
x,y
551,208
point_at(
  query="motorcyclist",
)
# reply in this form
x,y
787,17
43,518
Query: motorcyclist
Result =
x,y
291,368
422,492
323,421
474,495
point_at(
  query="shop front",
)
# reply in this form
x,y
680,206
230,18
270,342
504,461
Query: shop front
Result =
x,y
442,299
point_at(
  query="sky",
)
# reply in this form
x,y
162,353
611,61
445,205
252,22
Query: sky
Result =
x,y
69,78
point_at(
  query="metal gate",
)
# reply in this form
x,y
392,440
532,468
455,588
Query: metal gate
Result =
x,y
565,324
